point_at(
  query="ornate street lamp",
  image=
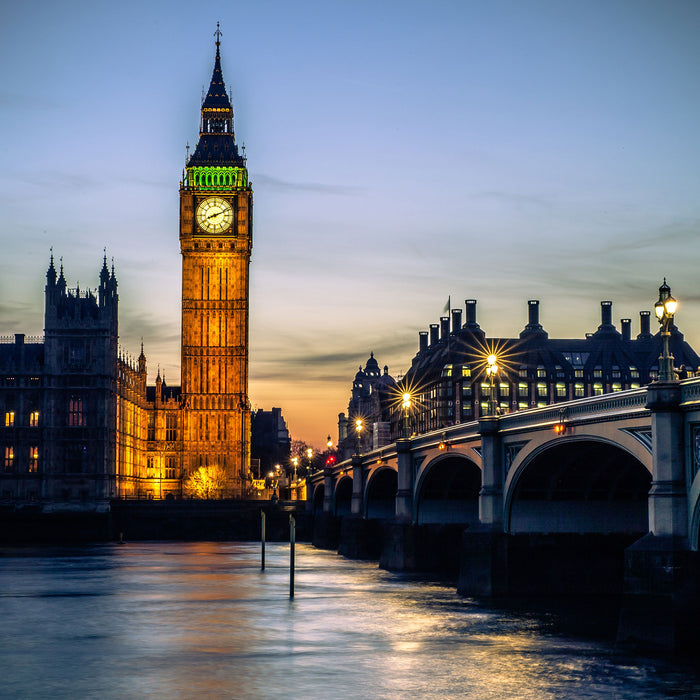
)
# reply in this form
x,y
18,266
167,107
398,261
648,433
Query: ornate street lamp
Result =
x,y
665,308
358,430
406,405
491,373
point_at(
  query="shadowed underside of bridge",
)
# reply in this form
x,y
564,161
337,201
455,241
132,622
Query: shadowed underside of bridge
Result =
x,y
449,492
581,486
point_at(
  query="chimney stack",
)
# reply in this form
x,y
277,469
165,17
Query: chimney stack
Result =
x,y
422,341
606,313
434,333
644,327
456,320
444,327
471,313
533,312
626,324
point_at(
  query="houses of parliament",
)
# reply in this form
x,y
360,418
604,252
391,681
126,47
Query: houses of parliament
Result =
x,y
78,422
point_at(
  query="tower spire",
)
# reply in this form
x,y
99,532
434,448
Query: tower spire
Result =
x,y
217,144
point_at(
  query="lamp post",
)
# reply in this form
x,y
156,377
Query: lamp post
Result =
x,y
358,430
491,372
665,308
295,462
309,454
406,405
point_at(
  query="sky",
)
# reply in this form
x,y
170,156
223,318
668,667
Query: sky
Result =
x,y
400,153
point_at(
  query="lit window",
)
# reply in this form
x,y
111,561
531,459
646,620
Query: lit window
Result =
x,y
578,373
9,419
634,385
485,389
34,419
505,389
579,390
522,405
616,386
634,373
466,371
522,372
541,389
597,389
171,426
33,459
598,372
9,459
615,372
541,372
466,390
76,417
522,388
561,390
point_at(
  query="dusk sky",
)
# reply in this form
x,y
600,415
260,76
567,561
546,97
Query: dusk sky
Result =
x,y
400,153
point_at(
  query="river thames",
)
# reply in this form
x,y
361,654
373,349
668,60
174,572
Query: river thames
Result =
x,y
186,620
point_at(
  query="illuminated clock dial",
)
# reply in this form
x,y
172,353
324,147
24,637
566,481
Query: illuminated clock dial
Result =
x,y
214,215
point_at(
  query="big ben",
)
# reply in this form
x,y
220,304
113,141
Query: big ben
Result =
x,y
216,202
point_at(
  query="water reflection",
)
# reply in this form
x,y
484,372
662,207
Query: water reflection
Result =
x,y
173,620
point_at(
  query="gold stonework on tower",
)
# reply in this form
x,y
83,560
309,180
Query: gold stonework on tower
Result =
x,y
216,242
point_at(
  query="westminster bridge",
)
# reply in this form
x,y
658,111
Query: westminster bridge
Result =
x,y
586,496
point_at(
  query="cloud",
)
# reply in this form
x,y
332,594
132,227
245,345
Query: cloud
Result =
x,y
285,185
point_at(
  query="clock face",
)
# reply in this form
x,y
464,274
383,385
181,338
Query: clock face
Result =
x,y
214,215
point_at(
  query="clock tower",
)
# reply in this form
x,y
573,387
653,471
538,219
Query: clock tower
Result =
x,y
216,206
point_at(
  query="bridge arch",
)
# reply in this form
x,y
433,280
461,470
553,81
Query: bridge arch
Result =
x,y
448,491
343,496
380,494
319,493
579,484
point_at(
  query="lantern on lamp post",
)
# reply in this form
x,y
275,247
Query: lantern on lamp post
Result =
x,y
665,308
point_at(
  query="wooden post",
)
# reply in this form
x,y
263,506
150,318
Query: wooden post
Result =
x,y
292,527
262,540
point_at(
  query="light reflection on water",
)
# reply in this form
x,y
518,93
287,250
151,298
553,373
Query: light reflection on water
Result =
x,y
183,620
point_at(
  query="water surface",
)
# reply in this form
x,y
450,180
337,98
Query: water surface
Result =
x,y
184,620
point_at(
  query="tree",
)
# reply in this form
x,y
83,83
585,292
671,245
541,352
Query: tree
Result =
x,y
206,482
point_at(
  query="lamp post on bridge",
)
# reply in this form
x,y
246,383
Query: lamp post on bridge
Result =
x,y
406,405
491,373
665,308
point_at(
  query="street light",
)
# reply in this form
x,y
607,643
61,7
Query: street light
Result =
x,y
295,462
406,405
358,430
665,308
491,373
329,443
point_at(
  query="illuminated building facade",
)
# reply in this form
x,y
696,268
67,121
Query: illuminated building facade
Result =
x,y
78,424
448,378
216,208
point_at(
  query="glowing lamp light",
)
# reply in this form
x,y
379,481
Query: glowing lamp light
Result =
x,y
358,425
559,428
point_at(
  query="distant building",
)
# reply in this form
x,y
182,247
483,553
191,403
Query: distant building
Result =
x,y
270,441
449,383
373,393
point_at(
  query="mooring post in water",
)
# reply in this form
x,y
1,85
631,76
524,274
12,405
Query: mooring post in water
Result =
x,y
262,540
292,526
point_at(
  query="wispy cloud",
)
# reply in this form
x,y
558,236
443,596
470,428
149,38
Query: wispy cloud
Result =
x,y
317,187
